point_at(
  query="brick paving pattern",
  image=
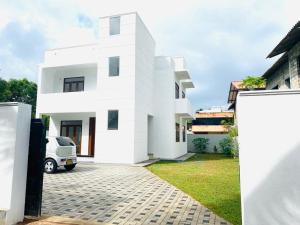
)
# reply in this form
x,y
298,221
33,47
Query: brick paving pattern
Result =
x,y
113,194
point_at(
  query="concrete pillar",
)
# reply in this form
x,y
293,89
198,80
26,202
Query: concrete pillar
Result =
x,y
14,142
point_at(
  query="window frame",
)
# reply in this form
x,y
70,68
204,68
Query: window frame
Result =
x,y
287,82
108,119
177,91
183,133
113,21
177,132
183,94
110,66
73,82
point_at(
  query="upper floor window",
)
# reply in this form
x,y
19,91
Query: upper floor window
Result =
x,y
114,25
73,84
113,119
114,66
288,82
183,95
176,90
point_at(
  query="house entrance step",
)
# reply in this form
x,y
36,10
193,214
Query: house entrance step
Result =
x,y
146,163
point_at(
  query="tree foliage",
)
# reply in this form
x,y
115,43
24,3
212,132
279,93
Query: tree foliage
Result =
x,y
22,90
252,82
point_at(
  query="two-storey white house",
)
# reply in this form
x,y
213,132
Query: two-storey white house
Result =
x,y
118,101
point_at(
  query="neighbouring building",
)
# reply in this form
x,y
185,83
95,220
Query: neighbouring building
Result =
x,y
285,72
235,88
208,124
211,121
116,99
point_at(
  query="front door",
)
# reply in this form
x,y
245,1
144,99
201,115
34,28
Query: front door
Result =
x,y
72,129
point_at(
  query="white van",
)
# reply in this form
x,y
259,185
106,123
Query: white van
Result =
x,y
60,151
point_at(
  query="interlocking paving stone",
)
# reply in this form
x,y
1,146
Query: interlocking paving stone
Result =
x,y
117,194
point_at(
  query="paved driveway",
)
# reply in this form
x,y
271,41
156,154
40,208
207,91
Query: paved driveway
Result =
x,y
120,195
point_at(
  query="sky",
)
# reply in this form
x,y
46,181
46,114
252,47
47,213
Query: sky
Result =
x,y
221,40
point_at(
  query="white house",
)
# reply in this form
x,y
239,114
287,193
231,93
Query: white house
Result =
x,y
118,101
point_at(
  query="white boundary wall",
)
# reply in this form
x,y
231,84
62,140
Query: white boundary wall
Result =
x,y
213,140
14,141
269,138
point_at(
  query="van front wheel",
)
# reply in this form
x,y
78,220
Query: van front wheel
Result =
x,y
70,167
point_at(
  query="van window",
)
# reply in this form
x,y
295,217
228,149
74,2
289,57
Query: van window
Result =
x,y
64,141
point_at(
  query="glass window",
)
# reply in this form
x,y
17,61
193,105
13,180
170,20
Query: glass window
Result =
x,y
71,123
73,84
275,88
114,25
113,120
177,132
288,82
183,133
114,66
176,91
64,141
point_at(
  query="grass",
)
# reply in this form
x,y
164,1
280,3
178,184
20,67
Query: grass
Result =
x,y
211,179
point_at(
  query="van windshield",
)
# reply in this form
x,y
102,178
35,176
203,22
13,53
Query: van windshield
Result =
x,y
64,141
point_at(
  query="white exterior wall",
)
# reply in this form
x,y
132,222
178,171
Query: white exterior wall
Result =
x,y
269,156
141,90
116,93
145,51
14,143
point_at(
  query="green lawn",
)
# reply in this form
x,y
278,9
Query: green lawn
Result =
x,y
212,179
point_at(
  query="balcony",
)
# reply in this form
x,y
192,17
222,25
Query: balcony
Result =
x,y
81,54
187,83
66,102
209,129
180,69
183,107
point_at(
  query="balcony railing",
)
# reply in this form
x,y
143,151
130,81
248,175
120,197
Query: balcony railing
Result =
x,y
183,107
66,102
181,71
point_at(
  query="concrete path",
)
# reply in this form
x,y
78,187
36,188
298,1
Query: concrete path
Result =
x,y
111,194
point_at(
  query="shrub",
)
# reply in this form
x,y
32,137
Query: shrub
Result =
x,y
252,82
200,144
227,146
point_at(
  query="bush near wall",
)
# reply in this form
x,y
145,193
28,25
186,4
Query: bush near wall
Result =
x,y
213,142
200,144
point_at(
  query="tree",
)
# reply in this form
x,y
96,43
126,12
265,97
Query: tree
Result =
x,y
19,91
4,90
252,82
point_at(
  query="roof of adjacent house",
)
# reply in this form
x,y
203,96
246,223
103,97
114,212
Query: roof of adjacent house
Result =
x,y
227,114
287,42
282,60
235,87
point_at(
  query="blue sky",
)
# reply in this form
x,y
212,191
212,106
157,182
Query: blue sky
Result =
x,y
221,40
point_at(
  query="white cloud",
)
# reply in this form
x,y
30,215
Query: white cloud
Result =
x,y
222,40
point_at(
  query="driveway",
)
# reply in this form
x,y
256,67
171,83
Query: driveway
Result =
x,y
120,195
